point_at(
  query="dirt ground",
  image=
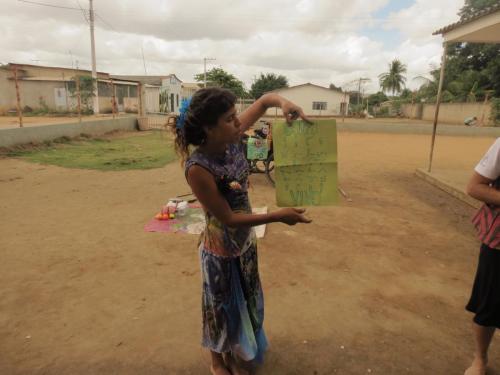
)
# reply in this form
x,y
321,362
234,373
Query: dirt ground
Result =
x,y
377,285
9,122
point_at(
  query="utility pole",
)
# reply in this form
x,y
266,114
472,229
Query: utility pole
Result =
x,y
79,98
205,59
18,97
92,47
144,61
359,89
361,81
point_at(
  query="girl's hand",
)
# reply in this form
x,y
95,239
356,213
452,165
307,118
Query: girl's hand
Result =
x,y
292,112
292,216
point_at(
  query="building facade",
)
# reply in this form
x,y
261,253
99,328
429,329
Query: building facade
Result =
x,y
314,100
53,89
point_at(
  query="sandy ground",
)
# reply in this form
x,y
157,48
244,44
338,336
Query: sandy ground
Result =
x,y
377,285
9,122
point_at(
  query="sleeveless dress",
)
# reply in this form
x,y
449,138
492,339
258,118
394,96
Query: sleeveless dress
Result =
x,y
232,298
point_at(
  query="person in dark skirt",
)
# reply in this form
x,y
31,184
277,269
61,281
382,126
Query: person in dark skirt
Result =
x,y
485,297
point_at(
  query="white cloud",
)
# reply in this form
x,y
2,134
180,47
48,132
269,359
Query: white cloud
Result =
x,y
420,20
317,41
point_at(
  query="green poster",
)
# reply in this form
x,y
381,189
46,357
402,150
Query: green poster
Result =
x,y
305,158
257,149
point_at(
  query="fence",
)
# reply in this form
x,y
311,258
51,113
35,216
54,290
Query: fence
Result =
x,y
153,113
243,104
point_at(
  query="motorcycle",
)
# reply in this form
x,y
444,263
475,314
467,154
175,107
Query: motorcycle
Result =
x,y
265,165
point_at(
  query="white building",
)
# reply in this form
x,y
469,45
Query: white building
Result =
x,y
188,89
171,86
169,93
314,100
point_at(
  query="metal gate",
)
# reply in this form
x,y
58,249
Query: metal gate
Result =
x,y
155,109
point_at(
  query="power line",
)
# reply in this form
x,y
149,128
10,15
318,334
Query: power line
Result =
x,y
143,60
84,12
105,22
48,5
92,40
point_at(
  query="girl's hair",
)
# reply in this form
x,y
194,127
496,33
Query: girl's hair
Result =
x,y
205,109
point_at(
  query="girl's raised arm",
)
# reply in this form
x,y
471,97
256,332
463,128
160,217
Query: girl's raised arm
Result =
x,y
291,111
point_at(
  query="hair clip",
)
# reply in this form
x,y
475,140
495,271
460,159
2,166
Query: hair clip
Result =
x,y
182,113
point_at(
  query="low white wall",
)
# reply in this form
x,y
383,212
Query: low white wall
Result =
x,y
38,134
450,113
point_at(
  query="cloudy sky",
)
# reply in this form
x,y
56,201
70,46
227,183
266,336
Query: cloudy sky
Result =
x,y
317,41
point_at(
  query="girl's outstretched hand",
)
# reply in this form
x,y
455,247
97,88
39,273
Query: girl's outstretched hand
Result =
x,y
293,112
292,216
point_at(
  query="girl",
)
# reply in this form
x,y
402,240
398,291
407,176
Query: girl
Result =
x,y
485,298
217,171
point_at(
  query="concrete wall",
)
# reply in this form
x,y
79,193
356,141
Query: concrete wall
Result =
x,y
451,113
426,129
32,93
105,104
38,134
151,100
305,95
35,93
7,91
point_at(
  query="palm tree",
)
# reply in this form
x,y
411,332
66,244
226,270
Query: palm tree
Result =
x,y
393,80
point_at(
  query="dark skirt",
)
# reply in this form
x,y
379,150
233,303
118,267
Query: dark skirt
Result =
x,y
485,299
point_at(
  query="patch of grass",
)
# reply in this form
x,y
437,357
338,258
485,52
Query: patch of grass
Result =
x,y
107,154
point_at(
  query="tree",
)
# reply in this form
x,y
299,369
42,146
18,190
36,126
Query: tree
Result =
x,y
267,82
393,80
475,67
377,99
334,87
218,77
473,6
86,90
406,94
472,68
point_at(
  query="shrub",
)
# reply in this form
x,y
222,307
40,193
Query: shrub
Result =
x,y
383,111
495,111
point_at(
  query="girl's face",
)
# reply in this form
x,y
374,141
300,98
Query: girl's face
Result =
x,y
227,130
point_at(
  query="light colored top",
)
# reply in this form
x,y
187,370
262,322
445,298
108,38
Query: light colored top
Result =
x,y
489,166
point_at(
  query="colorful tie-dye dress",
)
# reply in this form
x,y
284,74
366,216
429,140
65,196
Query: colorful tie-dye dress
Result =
x,y
232,299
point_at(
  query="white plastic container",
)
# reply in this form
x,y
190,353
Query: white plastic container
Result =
x,y
182,208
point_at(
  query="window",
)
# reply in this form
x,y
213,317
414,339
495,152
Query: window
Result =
x,y
177,99
133,91
104,89
319,106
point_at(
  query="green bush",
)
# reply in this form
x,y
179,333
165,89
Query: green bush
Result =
x,y
495,111
356,109
383,112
